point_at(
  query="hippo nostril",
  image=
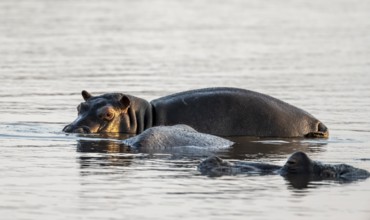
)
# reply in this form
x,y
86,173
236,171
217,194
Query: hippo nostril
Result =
x,y
67,129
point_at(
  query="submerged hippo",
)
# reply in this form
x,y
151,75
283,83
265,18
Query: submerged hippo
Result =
x,y
175,136
297,164
217,111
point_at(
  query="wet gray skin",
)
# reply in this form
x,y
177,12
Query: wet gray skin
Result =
x,y
297,164
175,136
216,111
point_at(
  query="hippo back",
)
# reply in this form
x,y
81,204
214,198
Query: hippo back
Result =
x,y
234,112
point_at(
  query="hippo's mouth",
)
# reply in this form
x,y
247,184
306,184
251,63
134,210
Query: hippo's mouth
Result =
x,y
102,128
322,132
80,130
83,129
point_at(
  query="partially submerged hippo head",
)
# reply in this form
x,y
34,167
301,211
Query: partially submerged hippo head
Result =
x,y
298,166
100,114
215,166
300,163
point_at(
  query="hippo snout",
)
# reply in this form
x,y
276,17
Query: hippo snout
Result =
x,y
74,129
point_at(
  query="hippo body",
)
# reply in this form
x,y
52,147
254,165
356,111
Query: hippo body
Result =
x,y
235,112
175,136
217,111
298,164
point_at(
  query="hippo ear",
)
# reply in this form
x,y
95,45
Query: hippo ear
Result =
x,y
125,101
86,95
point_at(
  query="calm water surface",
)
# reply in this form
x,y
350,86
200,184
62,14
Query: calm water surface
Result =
x,y
313,54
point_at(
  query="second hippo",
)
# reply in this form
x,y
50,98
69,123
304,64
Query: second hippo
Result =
x,y
175,136
297,164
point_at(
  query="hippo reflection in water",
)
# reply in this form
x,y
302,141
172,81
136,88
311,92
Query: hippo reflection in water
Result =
x,y
217,111
297,165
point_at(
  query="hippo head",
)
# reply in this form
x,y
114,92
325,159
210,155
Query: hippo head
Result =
x,y
214,166
298,163
100,114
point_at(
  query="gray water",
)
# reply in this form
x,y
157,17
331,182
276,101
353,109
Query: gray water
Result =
x,y
313,54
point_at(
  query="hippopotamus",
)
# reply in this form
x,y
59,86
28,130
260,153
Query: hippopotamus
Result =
x,y
297,164
217,111
175,136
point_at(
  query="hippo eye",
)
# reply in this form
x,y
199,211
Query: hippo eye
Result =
x,y
105,113
342,173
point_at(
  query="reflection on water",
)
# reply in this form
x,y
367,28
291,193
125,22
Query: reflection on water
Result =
x,y
110,153
307,181
102,146
251,148
244,148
